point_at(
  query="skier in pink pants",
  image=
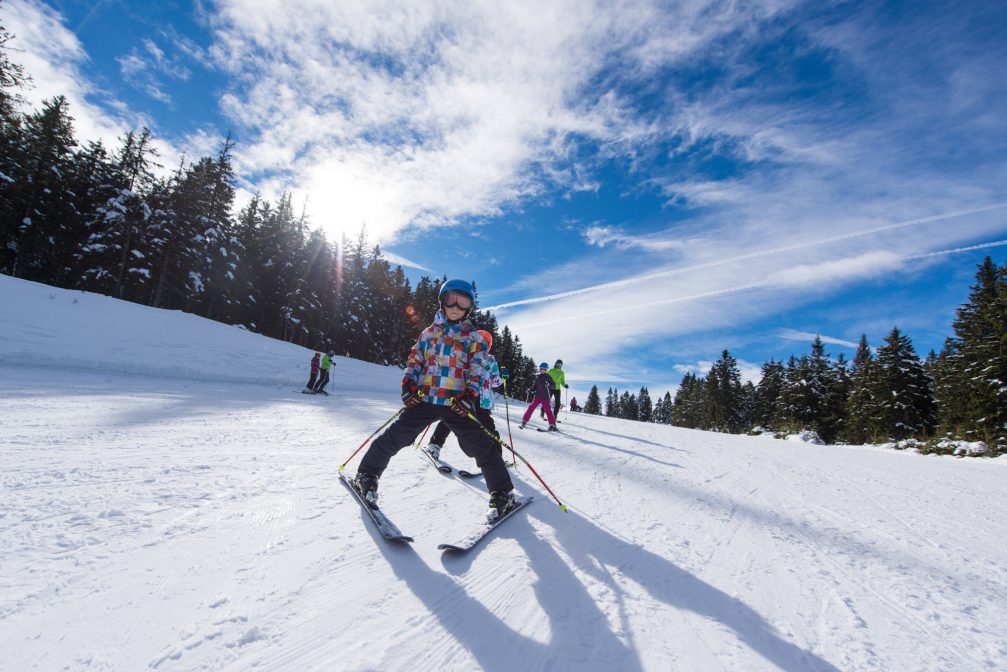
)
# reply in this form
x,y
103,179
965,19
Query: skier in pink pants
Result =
x,y
543,388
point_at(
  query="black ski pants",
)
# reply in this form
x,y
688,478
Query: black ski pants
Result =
x,y
442,431
473,441
322,381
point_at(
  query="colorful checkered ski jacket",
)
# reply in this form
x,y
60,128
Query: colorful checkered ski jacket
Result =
x,y
446,360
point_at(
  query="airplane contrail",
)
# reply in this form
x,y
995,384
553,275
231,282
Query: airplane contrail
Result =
x,y
743,257
743,288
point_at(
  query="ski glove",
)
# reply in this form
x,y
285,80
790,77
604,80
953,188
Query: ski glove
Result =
x,y
410,394
565,385
465,403
504,373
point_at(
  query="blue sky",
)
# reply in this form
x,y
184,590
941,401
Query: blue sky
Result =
x,y
638,185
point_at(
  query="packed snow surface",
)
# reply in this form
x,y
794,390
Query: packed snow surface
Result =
x,y
169,501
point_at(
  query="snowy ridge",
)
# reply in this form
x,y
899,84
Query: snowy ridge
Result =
x,y
42,326
178,518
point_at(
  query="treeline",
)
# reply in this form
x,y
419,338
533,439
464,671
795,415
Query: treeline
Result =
x,y
888,394
84,216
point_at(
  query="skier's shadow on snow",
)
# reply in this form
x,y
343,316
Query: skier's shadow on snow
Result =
x,y
594,550
580,637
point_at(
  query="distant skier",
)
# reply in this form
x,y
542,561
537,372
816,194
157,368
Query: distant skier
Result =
x,y
443,381
324,379
543,389
558,377
491,380
573,405
310,387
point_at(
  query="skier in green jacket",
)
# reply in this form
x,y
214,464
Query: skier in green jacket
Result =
x,y
558,377
323,380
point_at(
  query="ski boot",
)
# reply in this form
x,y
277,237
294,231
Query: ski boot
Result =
x,y
367,486
501,504
553,428
521,426
433,450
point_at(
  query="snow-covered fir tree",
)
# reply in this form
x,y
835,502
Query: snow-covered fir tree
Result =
x,y
646,406
722,396
906,404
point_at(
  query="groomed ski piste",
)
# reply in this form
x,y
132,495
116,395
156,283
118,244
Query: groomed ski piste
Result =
x,y
169,502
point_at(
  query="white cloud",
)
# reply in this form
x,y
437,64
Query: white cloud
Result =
x,y
55,59
394,259
808,337
53,56
399,113
601,236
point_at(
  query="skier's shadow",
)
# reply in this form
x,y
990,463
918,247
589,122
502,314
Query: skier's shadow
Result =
x,y
594,550
579,635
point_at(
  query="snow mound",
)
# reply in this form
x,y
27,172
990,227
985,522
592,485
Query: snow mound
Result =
x,y
806,436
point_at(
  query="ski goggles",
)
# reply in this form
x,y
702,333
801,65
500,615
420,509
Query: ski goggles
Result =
x,y
452,299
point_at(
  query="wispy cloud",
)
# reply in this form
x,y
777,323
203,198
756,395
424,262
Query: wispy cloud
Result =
x,y
393,258
863,266
55,58
602,236
143,69
808,337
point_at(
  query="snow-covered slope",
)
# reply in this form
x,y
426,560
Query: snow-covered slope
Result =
x,y
169,502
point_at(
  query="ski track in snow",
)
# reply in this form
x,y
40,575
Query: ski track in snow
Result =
x,y
151,519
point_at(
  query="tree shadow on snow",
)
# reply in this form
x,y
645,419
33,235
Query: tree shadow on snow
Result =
x,y
632,439
617,449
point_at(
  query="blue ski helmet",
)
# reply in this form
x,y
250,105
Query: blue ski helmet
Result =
x,y
457,285
544,365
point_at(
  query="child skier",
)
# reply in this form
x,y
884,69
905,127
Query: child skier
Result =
x,y
443,380
492,379
324,380
310,387
543,389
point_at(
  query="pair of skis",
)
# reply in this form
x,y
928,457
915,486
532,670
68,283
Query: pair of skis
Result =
x,y
391,532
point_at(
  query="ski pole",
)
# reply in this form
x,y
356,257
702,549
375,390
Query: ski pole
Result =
x,y
510,436
386,423
496,438
425,430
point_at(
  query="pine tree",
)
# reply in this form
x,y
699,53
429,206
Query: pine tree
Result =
x,y
971,370
13,78
629,407
39,205
767,395
906,401
832,416
612,403
862,356
863,422
688,406
722,399
646,406
663,409
593,404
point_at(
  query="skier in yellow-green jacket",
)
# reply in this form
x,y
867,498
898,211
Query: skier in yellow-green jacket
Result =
x,y
558,377
323,380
